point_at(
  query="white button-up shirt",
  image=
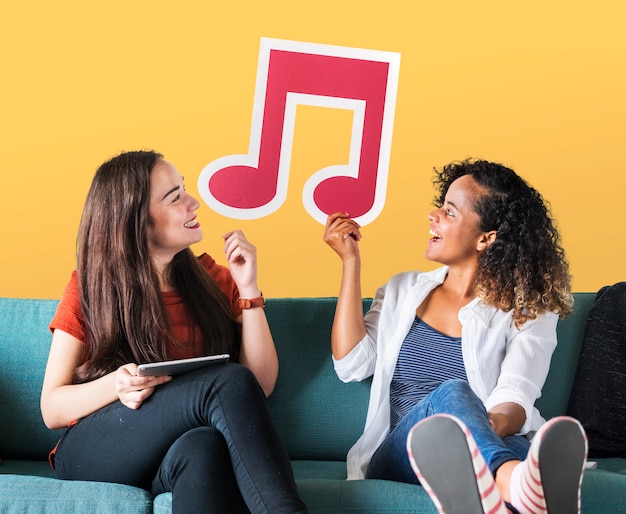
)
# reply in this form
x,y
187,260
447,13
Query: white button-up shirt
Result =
x,y
503,363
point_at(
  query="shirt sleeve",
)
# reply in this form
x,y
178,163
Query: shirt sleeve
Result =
x,y
68,316
526,364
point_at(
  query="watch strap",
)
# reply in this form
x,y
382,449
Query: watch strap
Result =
x,y
249,303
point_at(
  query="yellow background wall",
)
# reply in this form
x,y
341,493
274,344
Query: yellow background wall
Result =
x,y
539,86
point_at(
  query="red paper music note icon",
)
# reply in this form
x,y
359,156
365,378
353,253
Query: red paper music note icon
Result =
x,y
291,73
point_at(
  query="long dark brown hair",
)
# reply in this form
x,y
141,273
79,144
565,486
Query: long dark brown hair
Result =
x,y
525,269
123,311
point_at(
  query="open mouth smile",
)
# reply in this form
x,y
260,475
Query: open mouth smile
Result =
x,y
435,235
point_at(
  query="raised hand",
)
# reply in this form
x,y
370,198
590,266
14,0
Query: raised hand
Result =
x,y
241,257
342,234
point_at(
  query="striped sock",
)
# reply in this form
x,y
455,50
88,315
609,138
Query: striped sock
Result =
x,y
559,460
526,489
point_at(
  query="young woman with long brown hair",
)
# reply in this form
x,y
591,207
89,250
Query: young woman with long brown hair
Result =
x,y
139,295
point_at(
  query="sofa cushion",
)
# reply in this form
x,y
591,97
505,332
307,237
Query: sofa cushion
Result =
x,y
24,346
22,493
598,398
332,496
556,390
318,416
603,492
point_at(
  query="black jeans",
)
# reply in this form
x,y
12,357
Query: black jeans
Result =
x,y
207,436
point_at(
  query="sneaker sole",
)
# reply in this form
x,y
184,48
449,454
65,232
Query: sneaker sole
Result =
x,y
440,457
561,464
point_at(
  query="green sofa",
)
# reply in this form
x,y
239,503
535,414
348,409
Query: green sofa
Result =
x,y
318,416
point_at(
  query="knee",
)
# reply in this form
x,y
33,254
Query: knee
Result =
x,y
239,375
192,448
456,397
197,441
237,380
200,452
456,389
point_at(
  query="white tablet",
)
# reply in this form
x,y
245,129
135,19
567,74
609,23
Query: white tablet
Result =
x,y
176,367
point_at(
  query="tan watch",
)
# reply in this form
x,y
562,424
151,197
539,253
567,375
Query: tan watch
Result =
x,y
249,303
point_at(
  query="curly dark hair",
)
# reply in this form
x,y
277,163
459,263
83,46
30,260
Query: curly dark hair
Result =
x,y
525,269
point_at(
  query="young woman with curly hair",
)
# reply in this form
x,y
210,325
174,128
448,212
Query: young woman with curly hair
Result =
x,y
139,295
461,353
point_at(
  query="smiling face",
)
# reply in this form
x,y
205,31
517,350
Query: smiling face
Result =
x,y
172,223
456,238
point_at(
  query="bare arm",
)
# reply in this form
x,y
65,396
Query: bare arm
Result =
x,y
342,234
63,402
258,352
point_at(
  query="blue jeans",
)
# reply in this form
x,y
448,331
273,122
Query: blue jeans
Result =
x,y
455,397
207,436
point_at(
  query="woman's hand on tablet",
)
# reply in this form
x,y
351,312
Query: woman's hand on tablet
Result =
x,y
131,389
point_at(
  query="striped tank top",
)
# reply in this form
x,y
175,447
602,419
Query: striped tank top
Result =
x,y
427,359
